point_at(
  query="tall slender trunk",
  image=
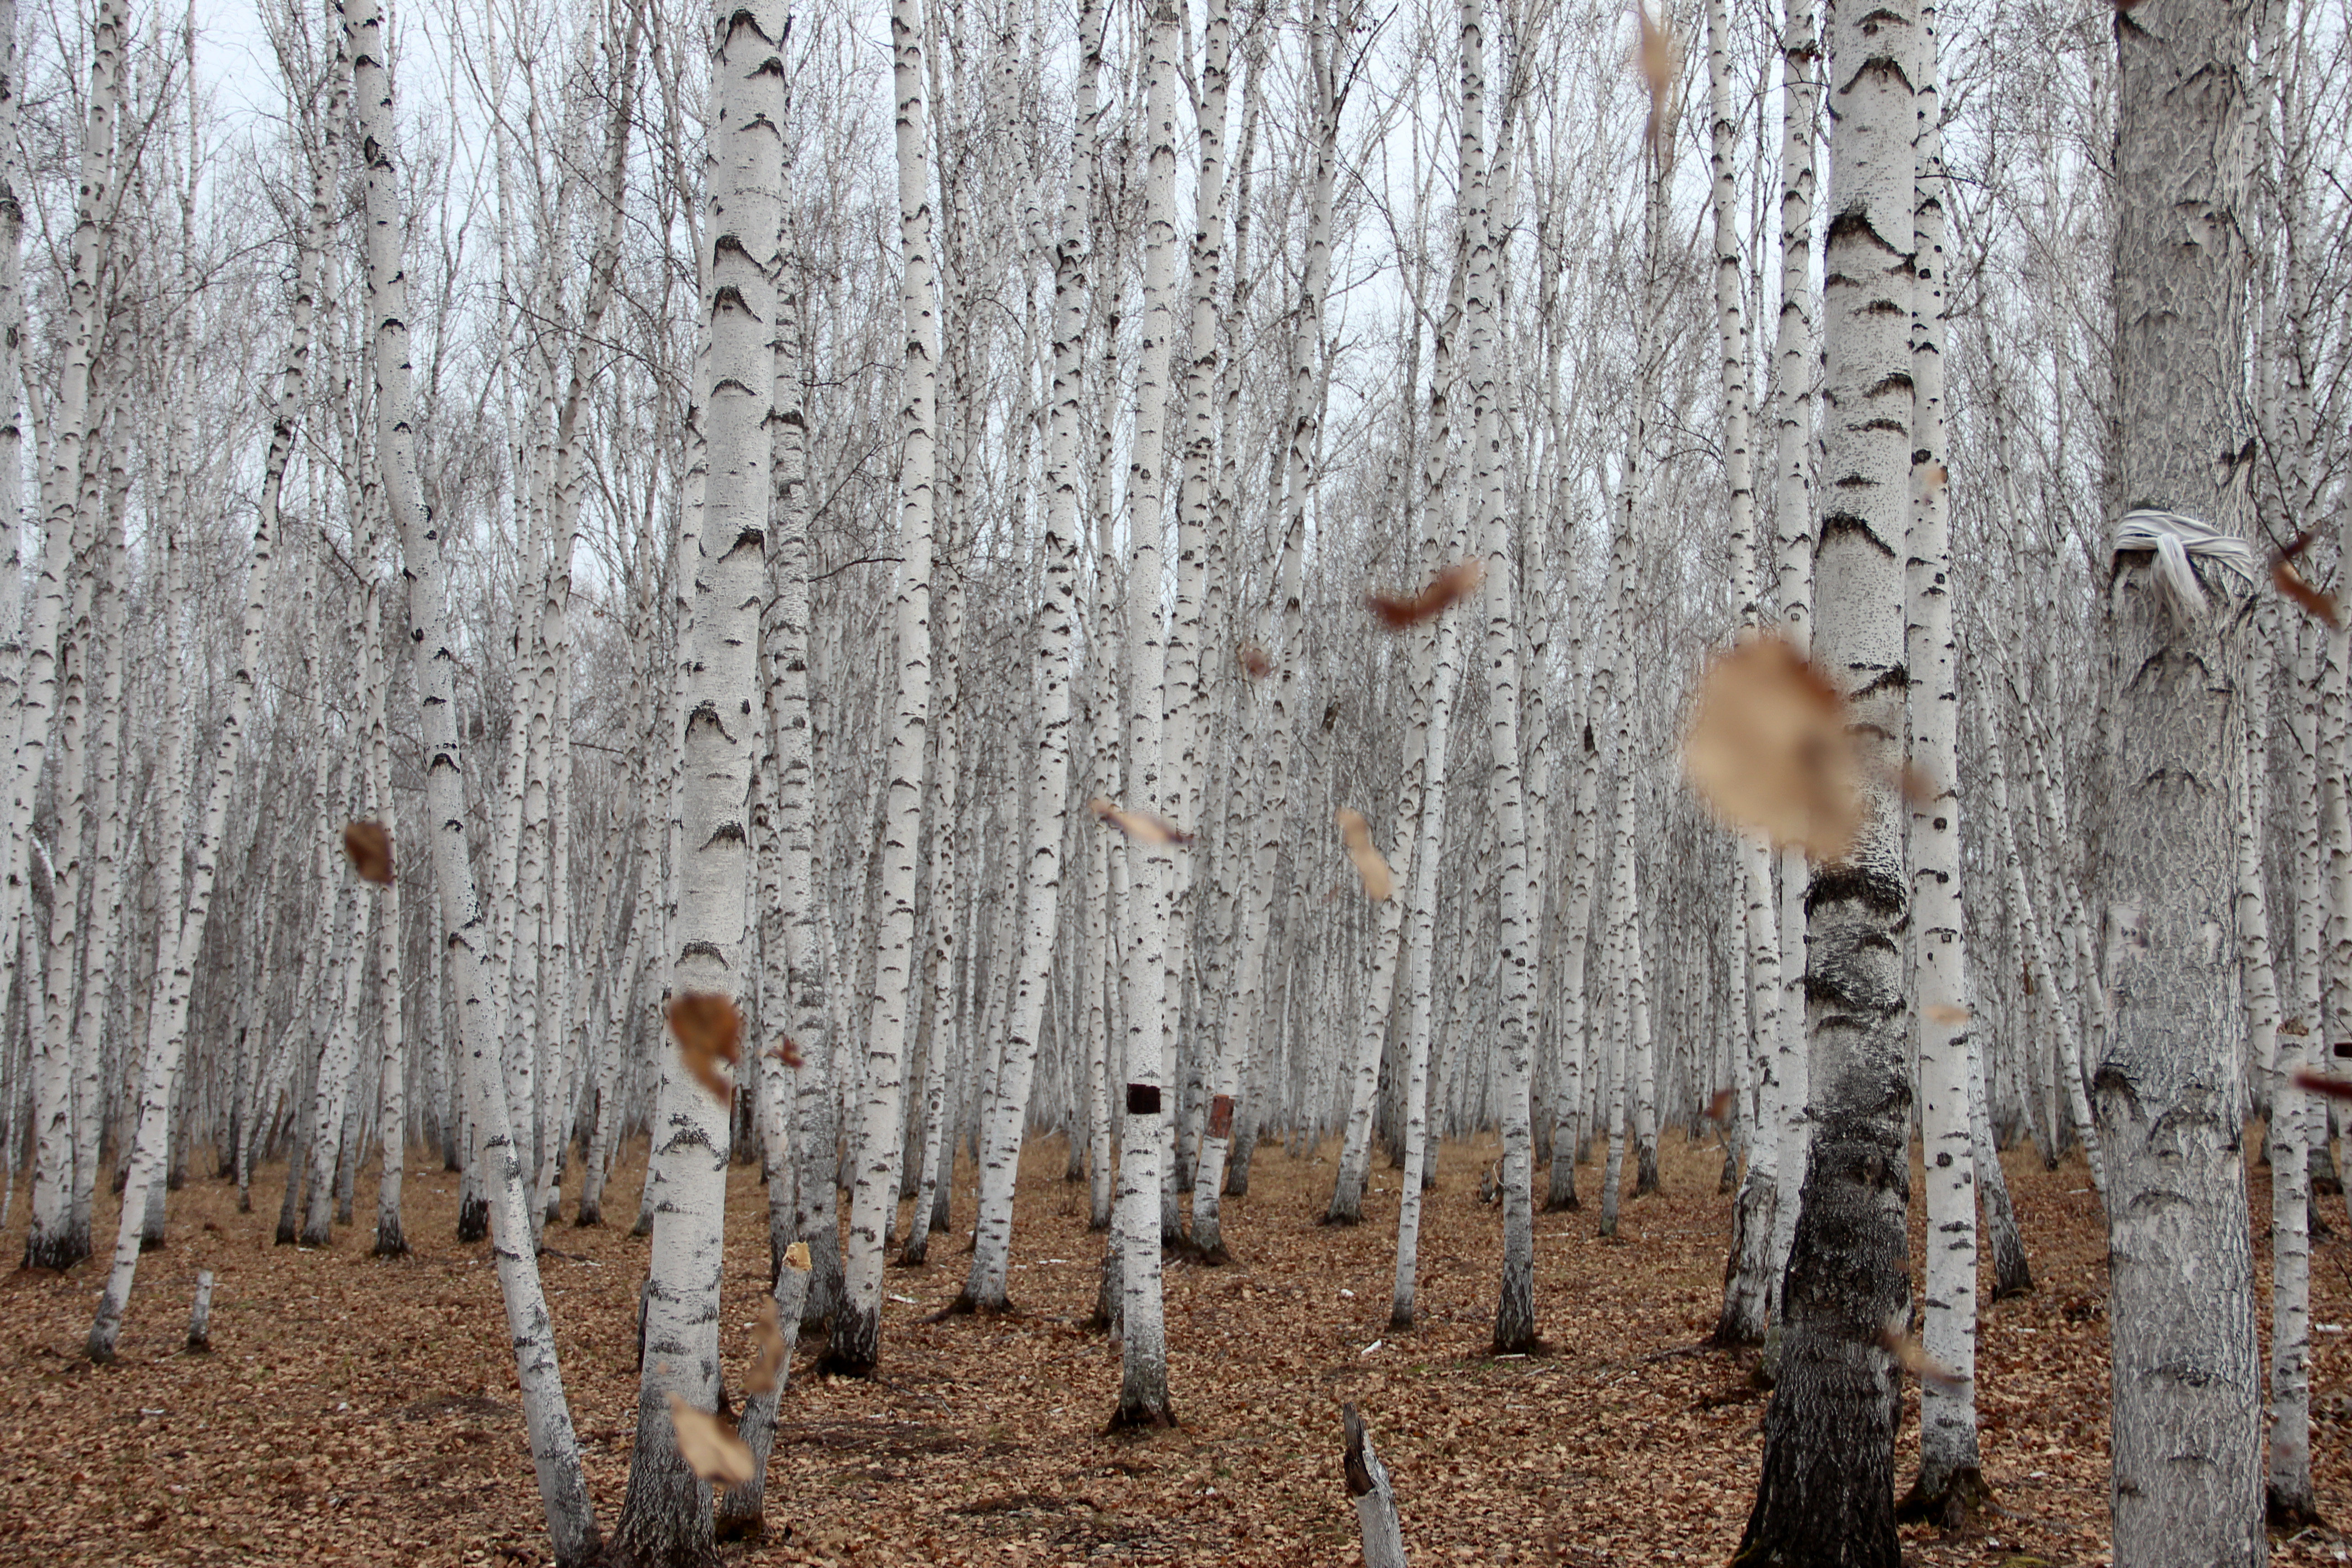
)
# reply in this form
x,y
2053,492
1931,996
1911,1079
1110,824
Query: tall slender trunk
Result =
x,y
858,1327
1048,795
1801,96
1303,400
1747,1291
666,1515
1146,1139
2187,1470
1827,1489
1950,1478
555,1450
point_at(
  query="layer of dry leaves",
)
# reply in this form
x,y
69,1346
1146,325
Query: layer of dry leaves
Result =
x,y
361,1411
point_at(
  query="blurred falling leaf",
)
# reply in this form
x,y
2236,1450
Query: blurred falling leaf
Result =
x,y
1913,1359
1768,752
768,1336
1256,662
1933,476
369,845
1657,57
786,1050
2292,583
1916,784
1139,825
2295,1026
709,1031
1357,835
796,1256
1719,1107
708,1447
1944,1013
2320,1083
1443,592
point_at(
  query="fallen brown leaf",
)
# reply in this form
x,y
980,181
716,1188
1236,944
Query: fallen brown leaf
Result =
x,y
369,845
1449,587
1357,835
709,1031
708,1445
1139,825
1767,749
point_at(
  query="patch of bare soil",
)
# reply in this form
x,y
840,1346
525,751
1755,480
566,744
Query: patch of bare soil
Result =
x,y
358,1410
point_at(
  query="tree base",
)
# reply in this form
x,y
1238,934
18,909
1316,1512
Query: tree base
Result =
x,y
1953,1505
389,1240
473,1220
853,1346
2290,1515
592,1217
1138,1415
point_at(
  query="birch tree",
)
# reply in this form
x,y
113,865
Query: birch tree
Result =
x,y
856,1340
1827,1486
555,1447
2187,1451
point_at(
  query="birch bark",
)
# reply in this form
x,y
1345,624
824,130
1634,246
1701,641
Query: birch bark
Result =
x,y
2187,1482
856,1339
555,1450
666,1515
1000,1164
1143,1366
1827,1486
1951,1482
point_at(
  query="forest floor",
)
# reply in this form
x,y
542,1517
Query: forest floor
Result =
x,y
356,1410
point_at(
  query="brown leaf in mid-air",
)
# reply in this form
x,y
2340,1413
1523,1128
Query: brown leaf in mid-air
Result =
x,y
1449,587
1916,784
1767,749
786,1050
1139,825
369,845
1256,662
796,1256
709,1031
2292,583
1657,63
768,1335
2320,1083
1913,1358
1357,835
709,1445
1944,1013
1719,1107
2295,1026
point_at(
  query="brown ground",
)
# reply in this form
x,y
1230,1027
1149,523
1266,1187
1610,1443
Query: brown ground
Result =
x,y
361,1411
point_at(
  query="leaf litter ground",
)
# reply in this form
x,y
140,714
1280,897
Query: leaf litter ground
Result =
x,y
359,1410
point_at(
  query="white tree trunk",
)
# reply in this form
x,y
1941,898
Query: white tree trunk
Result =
x,y
1048,795
1826,1489
555,1450
1146,1142
666,1513
857,1327
1800,94
1950,1481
